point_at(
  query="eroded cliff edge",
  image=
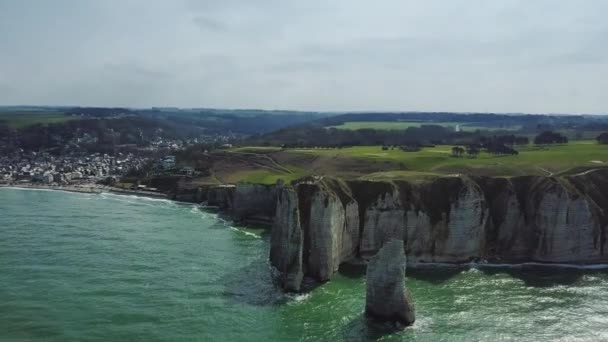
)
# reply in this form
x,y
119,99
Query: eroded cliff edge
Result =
x,y
321,222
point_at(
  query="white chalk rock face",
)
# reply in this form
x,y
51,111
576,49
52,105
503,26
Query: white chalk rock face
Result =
x,y
567,229
325,229
465,226
419,236
287,240
383,221
350,232
387,298
457,236
514,237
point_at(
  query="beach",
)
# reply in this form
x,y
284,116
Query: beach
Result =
x,y
84,188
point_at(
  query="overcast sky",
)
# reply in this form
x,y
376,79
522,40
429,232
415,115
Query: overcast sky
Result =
x,y
428,55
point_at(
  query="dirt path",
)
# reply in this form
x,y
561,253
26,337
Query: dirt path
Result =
x,y
584,172
274,164
549,173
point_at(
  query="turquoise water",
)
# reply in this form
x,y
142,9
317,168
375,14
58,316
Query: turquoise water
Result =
x,y
85,267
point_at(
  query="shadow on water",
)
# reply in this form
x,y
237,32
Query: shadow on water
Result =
x,y
253,284
541,276
353,270
363,329
434,276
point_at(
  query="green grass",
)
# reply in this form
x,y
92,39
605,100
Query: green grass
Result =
x,y
262,176
256,149
531,160
24,119
401,125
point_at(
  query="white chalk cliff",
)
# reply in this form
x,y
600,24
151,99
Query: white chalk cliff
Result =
x,y
447,219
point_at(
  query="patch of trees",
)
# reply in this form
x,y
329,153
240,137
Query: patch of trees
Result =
x,y
494,147
101,135
499,144
457,151
550,137
602,138
98,112
241,122
500,149
472,151
410,148
316,136
509,140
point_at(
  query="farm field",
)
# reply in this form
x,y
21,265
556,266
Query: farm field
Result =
x,y
400,125
25,119
371,162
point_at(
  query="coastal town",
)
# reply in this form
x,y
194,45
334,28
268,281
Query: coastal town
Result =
x,y
91,157
72,168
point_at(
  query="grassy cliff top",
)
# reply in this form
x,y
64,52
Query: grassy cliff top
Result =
x,y
267,164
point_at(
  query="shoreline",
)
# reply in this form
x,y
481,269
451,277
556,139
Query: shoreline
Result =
x,y
99,189
87,189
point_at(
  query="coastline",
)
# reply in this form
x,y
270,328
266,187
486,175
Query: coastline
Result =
x,y
86,188
91,188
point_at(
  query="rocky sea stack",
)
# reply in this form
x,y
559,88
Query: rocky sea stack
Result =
x,y
387,298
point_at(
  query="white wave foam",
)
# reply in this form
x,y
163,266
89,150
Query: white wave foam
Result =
x,y
298,298
474,265
141,198
246,232
82,193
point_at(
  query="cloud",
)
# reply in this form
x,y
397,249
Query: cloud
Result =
x,y
461,55
206,23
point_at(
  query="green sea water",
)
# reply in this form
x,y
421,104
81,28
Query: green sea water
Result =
x,y
87,267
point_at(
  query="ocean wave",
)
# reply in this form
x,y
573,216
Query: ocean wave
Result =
x,y
139,200
476,265
246,232
296,298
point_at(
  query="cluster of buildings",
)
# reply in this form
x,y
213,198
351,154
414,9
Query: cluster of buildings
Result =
x,y
65,169
167,164
72,159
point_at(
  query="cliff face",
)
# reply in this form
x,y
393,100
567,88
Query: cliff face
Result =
x,y
563,219
316,227
254,203
382,219
220,196
445,220
452,220
287,240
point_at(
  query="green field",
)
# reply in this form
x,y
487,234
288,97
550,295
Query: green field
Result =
x,y
371,162
439,160
25,119
401,125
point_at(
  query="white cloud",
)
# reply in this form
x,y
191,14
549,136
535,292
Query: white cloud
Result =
x,y
460,55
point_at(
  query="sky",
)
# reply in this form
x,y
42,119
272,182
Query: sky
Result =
x,y
535,56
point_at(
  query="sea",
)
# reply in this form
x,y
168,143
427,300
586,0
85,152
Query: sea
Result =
x,y
104,267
